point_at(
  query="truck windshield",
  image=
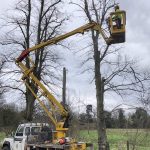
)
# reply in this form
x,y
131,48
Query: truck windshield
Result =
x,y
35,130
20,131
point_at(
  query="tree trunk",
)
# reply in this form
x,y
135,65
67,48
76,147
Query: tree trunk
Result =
x,y
64,86
99,83
29,97
29,106
102,138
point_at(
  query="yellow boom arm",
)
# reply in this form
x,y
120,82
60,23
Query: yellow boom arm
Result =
x,y
82,29
44,92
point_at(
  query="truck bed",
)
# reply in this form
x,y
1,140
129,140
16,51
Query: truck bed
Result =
x,y
47,146
50,146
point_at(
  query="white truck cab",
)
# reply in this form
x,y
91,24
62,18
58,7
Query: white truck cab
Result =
x,y
19,140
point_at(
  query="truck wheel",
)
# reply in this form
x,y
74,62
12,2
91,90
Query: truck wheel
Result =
x,y
5,148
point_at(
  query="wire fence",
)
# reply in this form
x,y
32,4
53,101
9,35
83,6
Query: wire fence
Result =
x,y
129,146
124,146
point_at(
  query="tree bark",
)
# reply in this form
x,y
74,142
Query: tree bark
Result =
x,y
29,97
29,105
102,138
99,83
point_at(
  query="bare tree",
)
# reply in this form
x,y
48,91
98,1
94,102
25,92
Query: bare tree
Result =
x,y
32,23
113,72
2,89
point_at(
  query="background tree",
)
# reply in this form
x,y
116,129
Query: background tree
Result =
x,y
2,101
139,118
121,118
113,71
33,22
108,119
2,90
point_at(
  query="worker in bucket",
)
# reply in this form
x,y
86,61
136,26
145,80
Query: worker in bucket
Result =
x,y
117,17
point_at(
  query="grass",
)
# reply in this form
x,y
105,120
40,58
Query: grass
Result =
x,y
2,136
118,138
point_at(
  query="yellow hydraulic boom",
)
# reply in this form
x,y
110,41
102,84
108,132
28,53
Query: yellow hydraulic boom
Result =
x,y
61,127
92,25
56,106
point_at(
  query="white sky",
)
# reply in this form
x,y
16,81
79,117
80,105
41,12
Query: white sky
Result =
x,y
5,5
137,45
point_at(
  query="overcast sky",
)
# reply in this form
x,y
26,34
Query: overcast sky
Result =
x,y
137,45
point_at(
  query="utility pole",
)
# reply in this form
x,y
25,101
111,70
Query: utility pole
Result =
x,y
64,86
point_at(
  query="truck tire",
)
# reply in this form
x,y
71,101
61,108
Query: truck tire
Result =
x,y
5,148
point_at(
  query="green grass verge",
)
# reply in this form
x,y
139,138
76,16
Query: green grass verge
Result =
x,y
119,137
116,137
2,136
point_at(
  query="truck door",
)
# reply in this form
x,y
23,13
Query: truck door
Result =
x,y
19,139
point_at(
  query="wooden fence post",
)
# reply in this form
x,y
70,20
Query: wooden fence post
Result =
x,y
127,145
107,146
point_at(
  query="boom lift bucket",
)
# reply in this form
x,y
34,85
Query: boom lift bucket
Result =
x,y
117,33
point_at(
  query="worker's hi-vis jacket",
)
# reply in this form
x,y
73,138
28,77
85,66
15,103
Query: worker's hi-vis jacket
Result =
x,y
116,16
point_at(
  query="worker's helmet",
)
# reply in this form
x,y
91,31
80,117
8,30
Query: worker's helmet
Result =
x,y
116,7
